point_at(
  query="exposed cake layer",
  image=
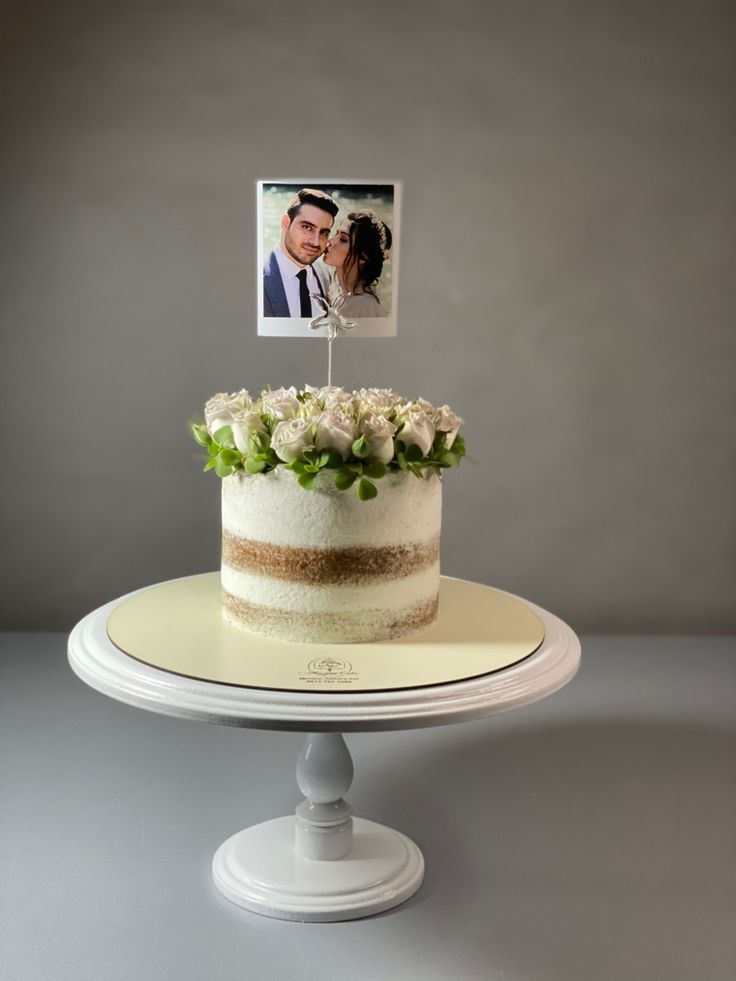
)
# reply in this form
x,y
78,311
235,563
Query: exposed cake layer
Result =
x,y
389,595
328,566
326,628
322,565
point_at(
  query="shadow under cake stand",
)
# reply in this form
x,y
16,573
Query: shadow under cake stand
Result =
x,y
167,649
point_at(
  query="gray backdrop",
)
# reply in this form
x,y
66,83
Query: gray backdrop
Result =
x,y
565,267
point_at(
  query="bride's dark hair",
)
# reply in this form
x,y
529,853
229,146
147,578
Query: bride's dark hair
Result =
x,y
370,242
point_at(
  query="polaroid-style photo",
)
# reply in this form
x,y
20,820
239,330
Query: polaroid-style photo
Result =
x,y
326,246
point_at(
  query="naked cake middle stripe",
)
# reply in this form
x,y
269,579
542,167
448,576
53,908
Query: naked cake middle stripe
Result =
x,y
328,566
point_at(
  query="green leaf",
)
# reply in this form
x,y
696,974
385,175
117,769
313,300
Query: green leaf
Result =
x,y
297,466
201,435
222,469
356,468
401,460
209,465
324,458
258,443
413,453
366,490
307,480
255,466
375,469
450,459
416,469
223,435
361,448
439,442
311,468
345,479
334,461
229,457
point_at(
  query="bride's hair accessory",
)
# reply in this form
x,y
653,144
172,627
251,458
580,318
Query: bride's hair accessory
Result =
x,y
381,229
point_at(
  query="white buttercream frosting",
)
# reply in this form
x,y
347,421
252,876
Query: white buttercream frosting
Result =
x,y
273,508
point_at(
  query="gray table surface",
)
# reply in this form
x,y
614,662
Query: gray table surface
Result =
x,y
590,836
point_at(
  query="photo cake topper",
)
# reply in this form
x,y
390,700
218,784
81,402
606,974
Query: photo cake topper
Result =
x,y
327,258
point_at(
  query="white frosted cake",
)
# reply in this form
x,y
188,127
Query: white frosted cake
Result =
x,y
331,510
326,566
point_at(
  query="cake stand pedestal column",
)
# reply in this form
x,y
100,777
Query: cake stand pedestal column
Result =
x,y
320,864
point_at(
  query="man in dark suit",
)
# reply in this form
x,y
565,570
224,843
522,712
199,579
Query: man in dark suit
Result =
x,y
290,275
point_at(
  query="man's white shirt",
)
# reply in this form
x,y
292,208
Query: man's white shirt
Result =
x,y
289,271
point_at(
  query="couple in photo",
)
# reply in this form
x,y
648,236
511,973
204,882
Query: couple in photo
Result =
x,y
315,257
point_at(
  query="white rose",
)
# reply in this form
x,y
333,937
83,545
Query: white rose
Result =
x,y
335,431
331,396
382,396
216,413
379,434
240,401
445,421
421,406
374,401
310,408
244,426
417,430
281,403
291,438
222,408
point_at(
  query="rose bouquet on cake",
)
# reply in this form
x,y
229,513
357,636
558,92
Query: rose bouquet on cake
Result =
x,y
356,437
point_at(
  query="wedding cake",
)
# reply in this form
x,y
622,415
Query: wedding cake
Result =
x,y
331,510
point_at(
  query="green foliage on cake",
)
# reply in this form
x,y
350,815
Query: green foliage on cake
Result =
x,y
358,437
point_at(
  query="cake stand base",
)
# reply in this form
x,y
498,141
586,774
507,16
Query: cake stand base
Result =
x,y
260,870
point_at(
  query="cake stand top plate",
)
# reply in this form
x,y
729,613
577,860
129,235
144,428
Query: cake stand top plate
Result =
x,y
439,694
178,626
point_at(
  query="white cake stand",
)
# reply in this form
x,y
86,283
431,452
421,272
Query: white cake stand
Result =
x,y
321,864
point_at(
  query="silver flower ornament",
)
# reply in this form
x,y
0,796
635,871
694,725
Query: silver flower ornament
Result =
x,y
331,317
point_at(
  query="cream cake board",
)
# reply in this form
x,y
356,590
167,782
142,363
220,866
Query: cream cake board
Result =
x,y
178,627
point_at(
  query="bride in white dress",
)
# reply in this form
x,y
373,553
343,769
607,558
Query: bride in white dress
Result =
x,y
357,252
